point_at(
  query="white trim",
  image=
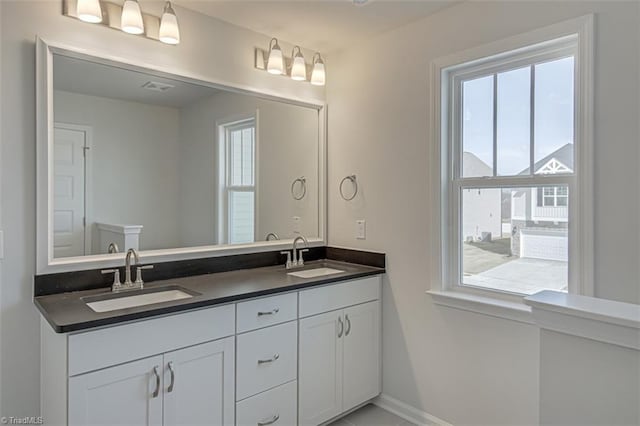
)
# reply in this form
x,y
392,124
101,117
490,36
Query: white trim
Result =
x,y
407,412
602,320
441,162
45,263
489,306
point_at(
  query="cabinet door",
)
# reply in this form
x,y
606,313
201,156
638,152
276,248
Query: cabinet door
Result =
x,y
320,367
361,377
203,384
120,395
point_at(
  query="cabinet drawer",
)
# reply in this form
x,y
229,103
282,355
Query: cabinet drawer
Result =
x,y
266,311
337,296
266,358
114,345
275,407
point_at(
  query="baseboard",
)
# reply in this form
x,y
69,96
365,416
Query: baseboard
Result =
x,y
408,412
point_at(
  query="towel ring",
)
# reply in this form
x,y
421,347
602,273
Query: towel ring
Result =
x,y
351,178
303,186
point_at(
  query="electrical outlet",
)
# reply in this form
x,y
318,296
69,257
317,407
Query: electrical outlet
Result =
x,y
296,224
361,229
1,244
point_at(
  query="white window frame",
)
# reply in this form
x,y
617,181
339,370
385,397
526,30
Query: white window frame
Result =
x,y
225,189
444,251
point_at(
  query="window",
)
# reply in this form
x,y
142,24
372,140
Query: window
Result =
x,y
238,192
514,160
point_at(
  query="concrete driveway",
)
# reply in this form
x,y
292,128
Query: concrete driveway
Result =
x,y
526,276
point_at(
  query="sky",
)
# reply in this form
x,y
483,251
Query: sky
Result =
x,y
553,112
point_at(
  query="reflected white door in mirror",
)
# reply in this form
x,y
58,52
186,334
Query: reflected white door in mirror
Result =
x,y
148,158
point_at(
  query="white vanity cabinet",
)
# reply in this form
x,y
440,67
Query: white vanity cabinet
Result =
x,y
339,358
300,357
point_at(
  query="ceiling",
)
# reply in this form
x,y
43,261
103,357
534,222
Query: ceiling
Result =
x,y
318,25
90,78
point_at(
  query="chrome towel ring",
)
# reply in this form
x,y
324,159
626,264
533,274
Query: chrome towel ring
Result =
x,y
351,178
303,188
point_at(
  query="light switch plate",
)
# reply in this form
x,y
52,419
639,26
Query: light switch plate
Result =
x,y
361,229
1,244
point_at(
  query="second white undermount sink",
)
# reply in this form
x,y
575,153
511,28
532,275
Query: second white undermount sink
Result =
x,y
314,273
123,301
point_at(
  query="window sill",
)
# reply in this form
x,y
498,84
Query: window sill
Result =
x,y
483,305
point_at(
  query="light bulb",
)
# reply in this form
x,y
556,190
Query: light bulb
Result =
x,y
131,21
89,11
169,30
299,67
318,76
275,63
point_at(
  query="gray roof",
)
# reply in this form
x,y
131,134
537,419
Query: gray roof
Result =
x,y
563,154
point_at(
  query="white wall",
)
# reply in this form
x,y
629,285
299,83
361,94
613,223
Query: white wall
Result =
x,y
134,178
210,48
460,366
287,147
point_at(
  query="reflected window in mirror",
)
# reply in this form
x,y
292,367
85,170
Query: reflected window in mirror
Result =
x,y
238,193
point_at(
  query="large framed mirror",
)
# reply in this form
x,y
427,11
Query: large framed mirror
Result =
x,y
132,156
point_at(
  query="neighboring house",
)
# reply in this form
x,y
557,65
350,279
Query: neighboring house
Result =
x,y
481,217
539,216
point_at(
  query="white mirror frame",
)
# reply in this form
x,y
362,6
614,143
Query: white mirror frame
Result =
x,y
45,262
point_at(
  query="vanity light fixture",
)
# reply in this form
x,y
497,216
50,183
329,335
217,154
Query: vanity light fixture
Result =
x,y
131,20
318,76
169,29
275,63
298,67
89,11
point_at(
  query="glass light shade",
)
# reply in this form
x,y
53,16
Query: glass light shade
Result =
x,y
89,11
318,74
131,21
299,68
169,29
275,63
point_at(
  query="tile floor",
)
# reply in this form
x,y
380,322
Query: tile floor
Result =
x,y
371,415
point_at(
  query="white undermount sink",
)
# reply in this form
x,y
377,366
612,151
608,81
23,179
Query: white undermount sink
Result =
x,y
110,303
314,273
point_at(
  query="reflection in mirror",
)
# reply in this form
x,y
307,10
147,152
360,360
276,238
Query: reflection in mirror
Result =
x,y
150,162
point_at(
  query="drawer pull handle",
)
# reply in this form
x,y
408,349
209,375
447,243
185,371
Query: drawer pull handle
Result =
x,y
273,312
157,391
341,328
346,333
173,377
271,421
266,361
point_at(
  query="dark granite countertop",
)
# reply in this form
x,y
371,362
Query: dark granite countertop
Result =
x,y
67,312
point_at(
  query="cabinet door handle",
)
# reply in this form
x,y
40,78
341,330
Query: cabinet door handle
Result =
x,y
272,312
265,361
157,391
173,377
271,421
346,317
340,327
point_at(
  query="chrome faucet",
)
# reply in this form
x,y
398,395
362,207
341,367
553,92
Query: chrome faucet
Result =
x,y
127,266
296,261
272,236
128,284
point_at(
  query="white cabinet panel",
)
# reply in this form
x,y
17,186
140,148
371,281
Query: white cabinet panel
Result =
x,y
202,391
266,358
121,395
267,311
277,407
337,296
361,373
320,373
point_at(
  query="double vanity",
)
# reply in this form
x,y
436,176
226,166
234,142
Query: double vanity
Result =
x,y
257,346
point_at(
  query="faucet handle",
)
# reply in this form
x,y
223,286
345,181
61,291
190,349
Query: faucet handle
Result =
x,y
288,264
116,278
139,274
300,259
